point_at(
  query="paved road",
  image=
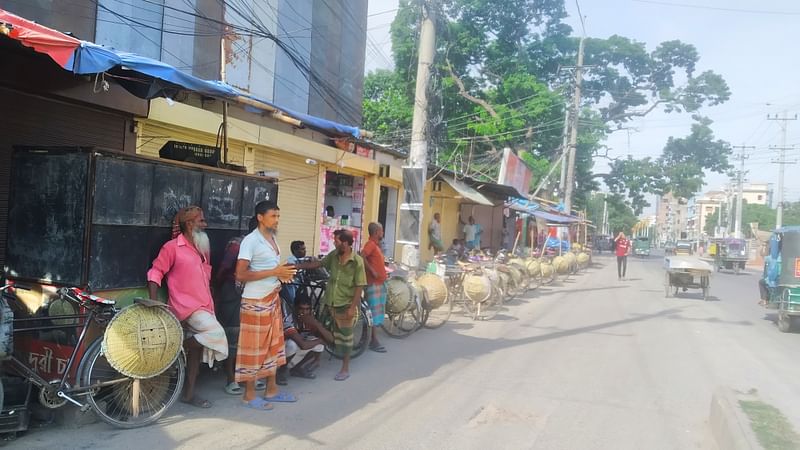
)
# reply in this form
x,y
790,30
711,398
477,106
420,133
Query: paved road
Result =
x,y
591,363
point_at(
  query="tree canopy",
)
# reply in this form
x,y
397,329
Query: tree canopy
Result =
x,y
502,80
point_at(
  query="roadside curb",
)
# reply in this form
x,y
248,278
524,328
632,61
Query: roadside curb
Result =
x,y
729,425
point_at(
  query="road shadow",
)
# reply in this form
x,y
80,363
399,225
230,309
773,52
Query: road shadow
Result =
x,y
715,320
336,401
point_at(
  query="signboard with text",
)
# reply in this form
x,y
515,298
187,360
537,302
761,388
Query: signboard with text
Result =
x,y
514,172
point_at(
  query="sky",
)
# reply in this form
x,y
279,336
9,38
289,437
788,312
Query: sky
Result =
x,y
751,44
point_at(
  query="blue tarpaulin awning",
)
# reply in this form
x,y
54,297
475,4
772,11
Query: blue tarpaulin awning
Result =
x,y
164,80
522,205
555,218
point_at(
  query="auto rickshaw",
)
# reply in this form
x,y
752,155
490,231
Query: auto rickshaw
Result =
x,y
731,254
641,246
780,283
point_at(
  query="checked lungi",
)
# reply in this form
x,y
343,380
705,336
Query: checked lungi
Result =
x,y
376,297
342,329
261,349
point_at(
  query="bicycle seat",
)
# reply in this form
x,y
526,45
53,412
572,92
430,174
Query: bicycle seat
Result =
x,y
86,297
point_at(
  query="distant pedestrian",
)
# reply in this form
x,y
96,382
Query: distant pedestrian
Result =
x,y
472,234
622,247
435,234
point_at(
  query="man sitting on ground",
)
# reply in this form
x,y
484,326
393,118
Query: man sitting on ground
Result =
x,y
305,337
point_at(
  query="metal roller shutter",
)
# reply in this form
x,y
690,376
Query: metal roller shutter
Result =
x,y
36,121
298,196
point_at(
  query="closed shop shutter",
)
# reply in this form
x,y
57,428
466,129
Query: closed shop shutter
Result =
x,y
32,121
298,197
154,135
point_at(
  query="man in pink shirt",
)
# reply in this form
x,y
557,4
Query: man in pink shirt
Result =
x,y
184,261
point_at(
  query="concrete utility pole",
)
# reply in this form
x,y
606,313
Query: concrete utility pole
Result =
x,y
573,139
415,172
564,149
781,162
740,191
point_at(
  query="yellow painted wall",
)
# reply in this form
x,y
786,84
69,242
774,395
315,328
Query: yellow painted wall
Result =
x,y
447,205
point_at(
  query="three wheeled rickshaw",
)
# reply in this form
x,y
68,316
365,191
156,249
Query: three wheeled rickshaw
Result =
x,y
730,254
781,278
686,272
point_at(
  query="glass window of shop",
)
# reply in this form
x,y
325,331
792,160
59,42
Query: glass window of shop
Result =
x,y
342,208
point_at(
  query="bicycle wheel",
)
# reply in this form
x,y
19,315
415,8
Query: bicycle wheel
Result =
x,y
361,332
399,325
129,402
488,310
436,317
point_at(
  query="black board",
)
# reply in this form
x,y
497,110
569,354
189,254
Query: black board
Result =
x,y
47,217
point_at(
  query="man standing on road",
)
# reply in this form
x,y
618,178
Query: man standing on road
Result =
x,y
435,234
342,294
184,262
472,234
623,248
261,345
376,282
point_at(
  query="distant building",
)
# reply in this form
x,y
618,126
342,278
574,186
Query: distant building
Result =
x,y
672,215
757,194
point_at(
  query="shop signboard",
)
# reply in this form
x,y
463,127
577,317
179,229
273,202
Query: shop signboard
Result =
x,y
514,172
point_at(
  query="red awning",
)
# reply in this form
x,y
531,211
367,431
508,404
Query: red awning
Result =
x,y
52,43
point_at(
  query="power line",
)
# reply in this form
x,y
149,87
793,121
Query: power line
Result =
x,y
719,8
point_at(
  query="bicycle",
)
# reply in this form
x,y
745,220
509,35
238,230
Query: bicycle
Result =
x,y
312,283
117,399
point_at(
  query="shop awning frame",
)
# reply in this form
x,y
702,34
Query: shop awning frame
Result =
x,y
555,218
466,191
87,58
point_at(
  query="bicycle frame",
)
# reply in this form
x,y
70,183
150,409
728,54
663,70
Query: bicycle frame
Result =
x,y
63,389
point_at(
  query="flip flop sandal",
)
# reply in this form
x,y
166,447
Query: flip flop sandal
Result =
x,y
281,397
198,402
378,348
259,404
233,388
261,385
341,376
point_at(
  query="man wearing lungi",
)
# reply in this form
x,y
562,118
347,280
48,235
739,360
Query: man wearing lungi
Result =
x,y
342,294
184,261
376,281
261,345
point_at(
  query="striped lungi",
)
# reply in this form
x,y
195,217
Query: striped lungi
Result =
x,y
342,329
376,297
261,350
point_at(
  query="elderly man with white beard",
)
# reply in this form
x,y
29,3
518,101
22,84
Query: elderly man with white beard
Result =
x,y
184,261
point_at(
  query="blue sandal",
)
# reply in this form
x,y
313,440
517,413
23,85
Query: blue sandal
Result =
x,y
281,397
259,404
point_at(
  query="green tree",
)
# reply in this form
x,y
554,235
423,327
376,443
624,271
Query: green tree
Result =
x,y
498,84
620,215
387,110
680,169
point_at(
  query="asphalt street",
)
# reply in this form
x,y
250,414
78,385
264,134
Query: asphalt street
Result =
x,y
587,363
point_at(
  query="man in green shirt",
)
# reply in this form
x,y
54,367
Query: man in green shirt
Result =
x,y
342,293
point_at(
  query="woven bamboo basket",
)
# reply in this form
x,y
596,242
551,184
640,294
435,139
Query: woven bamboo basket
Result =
x,y
435,289
571,258
398,295
533,267
560,264
477,288
142,342
583,259
547,269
